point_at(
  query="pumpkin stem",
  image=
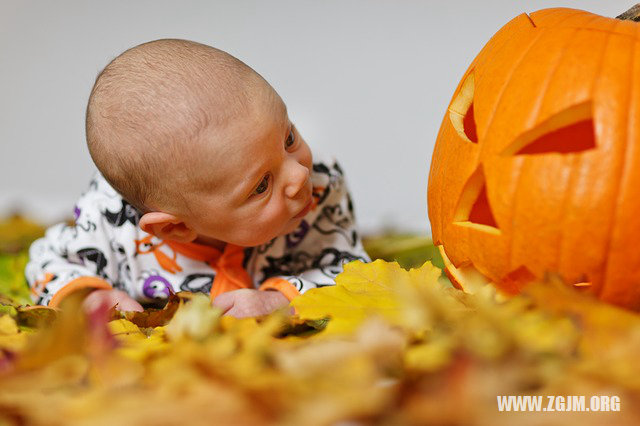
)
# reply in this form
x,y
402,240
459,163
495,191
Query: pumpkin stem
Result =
x,y
632,14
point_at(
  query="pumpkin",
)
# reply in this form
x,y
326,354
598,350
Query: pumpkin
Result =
x,y
536,167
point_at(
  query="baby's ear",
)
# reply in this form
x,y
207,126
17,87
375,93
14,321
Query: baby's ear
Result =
x,y
167,227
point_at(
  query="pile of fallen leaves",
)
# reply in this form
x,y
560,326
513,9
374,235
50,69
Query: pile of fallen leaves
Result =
x,y
385,346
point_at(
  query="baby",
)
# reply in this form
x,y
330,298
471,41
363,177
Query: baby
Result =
x,y
204,185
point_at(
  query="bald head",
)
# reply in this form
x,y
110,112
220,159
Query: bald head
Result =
x,y
149,106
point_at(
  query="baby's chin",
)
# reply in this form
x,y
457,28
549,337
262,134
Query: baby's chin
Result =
x,y
250,238
288,228
295,224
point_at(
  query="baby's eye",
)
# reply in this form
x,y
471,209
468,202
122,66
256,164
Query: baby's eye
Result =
x,y
291,139
263,186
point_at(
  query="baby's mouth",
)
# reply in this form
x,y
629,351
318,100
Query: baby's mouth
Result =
x,y
304,211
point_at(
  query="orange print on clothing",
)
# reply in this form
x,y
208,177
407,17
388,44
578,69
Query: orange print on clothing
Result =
x,y
39,285
146,246
316,195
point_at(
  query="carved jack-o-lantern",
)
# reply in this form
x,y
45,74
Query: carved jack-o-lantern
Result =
x,y
536,168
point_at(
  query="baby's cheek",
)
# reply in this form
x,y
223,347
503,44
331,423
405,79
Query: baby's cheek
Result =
x,y
251,233
263,231
307,156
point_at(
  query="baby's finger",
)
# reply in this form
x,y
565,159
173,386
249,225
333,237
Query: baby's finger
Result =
x,y
243,312
224,301
128,305
93,305
96,300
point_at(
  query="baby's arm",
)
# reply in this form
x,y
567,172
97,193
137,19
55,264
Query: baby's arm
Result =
x,y
73,257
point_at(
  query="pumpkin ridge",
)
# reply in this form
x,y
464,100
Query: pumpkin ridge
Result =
x,y
598,30
598,285
565,201
509,81
434,170
496,50
590,26
535,111
514,211
441,196
476,63
563,247
636,289
550,11
509,249
622,172
555,70
577,18
506,83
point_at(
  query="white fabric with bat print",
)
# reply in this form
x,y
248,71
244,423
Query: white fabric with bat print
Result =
x,y
106,242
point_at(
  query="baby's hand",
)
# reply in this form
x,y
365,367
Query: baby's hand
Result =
x,y
250,303
121,300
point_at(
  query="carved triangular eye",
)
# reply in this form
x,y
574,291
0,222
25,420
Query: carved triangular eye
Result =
x,y
569,131
461,111
473,208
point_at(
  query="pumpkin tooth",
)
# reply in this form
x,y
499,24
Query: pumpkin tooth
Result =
x,y
466,277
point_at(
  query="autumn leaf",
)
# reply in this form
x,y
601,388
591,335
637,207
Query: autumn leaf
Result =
x,y
364,290
151,317
10,337
193,320
35,316
384,346
609,335
14,289
133,343
17,232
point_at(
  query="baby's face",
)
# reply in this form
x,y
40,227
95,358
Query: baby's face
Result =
x,y
254,186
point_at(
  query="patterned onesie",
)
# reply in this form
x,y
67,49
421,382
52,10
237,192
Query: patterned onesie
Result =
x,y
106,248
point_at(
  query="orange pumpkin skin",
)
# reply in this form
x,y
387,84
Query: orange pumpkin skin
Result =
x,y
536,166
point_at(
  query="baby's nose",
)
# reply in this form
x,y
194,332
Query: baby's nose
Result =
x,y
298,177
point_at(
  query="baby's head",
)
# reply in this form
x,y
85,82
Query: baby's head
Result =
x,y
200,143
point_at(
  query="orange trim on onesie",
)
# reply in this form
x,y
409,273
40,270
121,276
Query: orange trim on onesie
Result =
x,y
282,285
78,284
195,251
40,285
230,275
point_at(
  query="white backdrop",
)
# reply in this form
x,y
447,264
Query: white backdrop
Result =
x,y
365,80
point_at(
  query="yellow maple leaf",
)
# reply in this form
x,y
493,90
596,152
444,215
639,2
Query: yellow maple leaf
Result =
x,y
609,335
195,320
133,343
10,337
380,288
